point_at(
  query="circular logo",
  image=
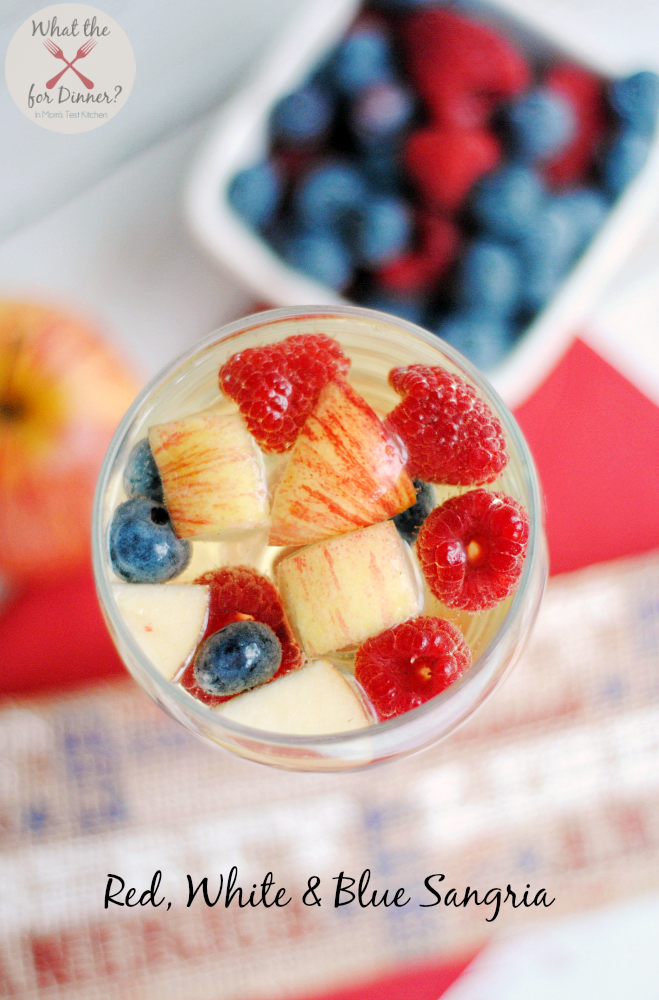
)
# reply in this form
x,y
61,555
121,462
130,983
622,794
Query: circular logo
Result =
x,y
70,68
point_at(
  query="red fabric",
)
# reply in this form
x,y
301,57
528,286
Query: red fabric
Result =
x,y
54,636
595,440
426,983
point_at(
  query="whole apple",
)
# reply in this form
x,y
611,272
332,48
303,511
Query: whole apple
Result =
x,y
63,392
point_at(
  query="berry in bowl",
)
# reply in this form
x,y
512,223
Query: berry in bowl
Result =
x,y
444,163
318,538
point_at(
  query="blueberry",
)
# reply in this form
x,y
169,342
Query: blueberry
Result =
x,y
489,278
557,232
624,160
238,657
380,113
587,208
143,546
304,116
636,100
410,520
540,286
409,307
363,59
328,194
255,194
541,124
506,203
482,338
383,230
323,257
141,476
546,252
382,168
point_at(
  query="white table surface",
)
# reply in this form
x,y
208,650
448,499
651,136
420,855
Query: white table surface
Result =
x,y
189,54
122,253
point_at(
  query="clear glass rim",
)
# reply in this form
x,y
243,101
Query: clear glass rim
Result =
x,y
204,713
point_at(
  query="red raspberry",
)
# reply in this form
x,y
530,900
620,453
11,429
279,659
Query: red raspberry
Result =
x,y
472,548
410,663
238,593
450,433
444,164
585,93
276,387
462,69
418,271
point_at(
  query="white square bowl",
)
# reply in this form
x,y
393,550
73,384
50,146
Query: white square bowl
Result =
x,y
239,138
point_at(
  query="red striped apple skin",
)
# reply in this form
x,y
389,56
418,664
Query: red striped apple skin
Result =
x,y
340,591
212,474
63,392
345,472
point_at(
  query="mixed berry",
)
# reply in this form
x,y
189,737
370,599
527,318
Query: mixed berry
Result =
x,y
410,663
238,594
409,521
472,548
334,636
450,434
239,656
430,169
143,545
276,387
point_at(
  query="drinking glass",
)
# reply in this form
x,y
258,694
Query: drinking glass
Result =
x,y
375,342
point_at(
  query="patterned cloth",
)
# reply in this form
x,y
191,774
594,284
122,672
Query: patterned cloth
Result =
x,y
554,784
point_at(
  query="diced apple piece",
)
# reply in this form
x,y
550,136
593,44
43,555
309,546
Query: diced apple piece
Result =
x,y
166,620
345,472
212,473
309,702
339,592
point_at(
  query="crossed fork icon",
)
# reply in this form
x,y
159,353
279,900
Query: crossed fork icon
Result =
x,y
56,51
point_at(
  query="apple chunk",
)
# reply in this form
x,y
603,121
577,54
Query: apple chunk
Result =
x,y
309,702
166,621
212,474
339,592
345,472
